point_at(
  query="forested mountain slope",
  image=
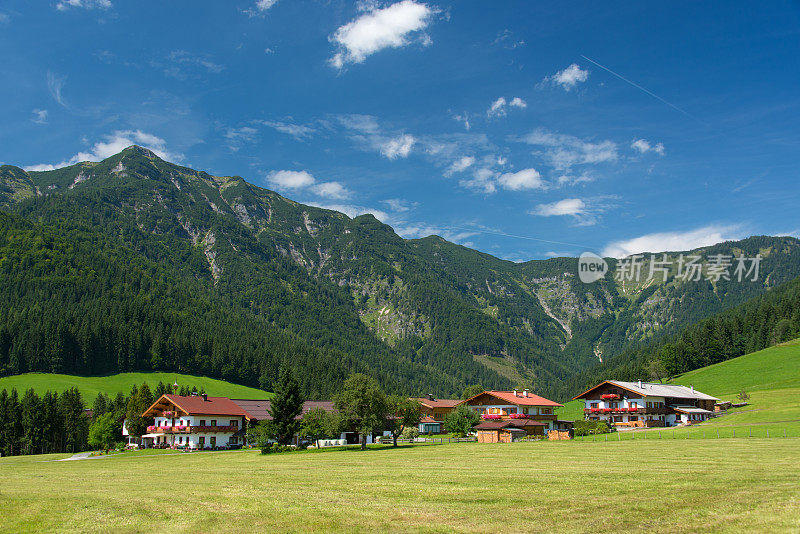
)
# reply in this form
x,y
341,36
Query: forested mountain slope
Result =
x,y
134,263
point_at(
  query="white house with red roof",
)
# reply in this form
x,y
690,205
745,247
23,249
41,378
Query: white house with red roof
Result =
x,y
196,422
531,413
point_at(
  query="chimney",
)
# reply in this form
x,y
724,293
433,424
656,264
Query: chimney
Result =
x,y
515,392
692,386
640,384
430,396
525,393
205,397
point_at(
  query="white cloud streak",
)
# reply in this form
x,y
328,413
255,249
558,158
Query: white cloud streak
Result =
x,y
64,5
39,116
55,84
377,29
564,151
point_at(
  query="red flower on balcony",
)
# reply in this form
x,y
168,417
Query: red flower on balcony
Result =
x,y
609,396
607,410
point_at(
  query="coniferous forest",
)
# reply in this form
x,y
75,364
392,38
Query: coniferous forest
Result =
x,y
136,264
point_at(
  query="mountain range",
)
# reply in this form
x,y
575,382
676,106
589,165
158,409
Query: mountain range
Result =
x,y
134,263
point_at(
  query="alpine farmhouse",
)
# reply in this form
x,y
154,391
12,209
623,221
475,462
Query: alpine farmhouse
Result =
x,y
645,404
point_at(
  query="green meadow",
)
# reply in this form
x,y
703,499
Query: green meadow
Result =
x,y
90,386
667,486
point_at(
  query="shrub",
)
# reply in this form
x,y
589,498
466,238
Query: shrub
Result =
x,y
589,427
410,432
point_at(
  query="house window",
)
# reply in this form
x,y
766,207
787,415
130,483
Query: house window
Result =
x,y
547,411
202,422
234,440
213,423
591,405
525,410
633,418
202,441
213,441
512,410
234,423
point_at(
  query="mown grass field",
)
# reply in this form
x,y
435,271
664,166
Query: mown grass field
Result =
x,y
90,386
668,486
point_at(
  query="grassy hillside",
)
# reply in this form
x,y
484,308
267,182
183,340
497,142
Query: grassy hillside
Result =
x,y
713,486
90,386
777,367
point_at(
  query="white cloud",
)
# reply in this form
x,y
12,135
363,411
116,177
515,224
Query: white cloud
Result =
x,y
643,146
55,84
673,241
583,212
114,144
399,205
260,8
399,147
524,179
353,211
460,165
299,132
507,40
63,5
304,181
568,206
39,116
291,179
499,107
564,151
331,190
569,77
483,179
463,119
377,29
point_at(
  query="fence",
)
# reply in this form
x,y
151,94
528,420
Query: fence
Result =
x,y
754,431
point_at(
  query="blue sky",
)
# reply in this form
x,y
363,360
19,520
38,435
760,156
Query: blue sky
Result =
x,y
523,129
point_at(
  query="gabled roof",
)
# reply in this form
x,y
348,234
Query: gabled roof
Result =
x,y
259,409
198,405
507,423
429,420
437,403
517,398
649,389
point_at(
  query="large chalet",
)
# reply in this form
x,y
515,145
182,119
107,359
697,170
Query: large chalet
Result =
x,y
196,422
644,404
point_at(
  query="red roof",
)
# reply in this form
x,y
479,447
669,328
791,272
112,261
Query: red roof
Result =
x,y
438,403
197,405
519,398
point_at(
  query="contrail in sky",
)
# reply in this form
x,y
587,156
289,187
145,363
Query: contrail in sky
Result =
x,y
626,80
529,238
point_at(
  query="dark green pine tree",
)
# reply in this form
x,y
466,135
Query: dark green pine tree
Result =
x,y
286,406
32,431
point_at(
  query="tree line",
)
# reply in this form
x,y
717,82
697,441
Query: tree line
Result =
x,y
60,422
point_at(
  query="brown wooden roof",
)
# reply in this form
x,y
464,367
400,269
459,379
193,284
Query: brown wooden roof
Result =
x,y
196,405
259,409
